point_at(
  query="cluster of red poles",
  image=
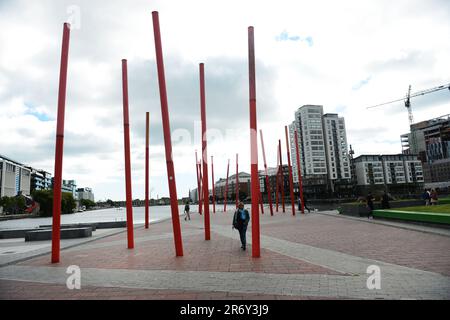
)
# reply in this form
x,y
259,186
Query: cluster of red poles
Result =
x,y
202,177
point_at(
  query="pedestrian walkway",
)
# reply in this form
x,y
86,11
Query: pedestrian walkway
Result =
x,y
312,256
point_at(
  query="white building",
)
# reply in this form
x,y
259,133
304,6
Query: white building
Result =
x,y
322,142
336,147
388,170
85,194
14,178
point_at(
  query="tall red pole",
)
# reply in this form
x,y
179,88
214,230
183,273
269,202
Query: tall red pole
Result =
x,y
126,135
277,188
57,184
291,180
167,138
213,186
253,146
200,201
281,176
199,183
237,181
226,188
299,172
269,194
147,138
204,151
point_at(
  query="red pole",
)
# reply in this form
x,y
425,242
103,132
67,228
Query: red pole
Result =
x,y
277,188
269,194
204,151
200,201
147,129
199,183
300,186
253,146
226,188
281,176
56,224
167,138
126,134
213,186
291,179
237,182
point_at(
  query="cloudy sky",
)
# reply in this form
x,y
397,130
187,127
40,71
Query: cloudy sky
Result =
x,y
344,55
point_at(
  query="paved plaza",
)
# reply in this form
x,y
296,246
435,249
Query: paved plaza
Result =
x,y
313,256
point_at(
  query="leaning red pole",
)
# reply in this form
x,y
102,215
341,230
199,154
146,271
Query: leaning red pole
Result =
x,y
299,172
213,187
277,188
291,180
167,138
204,151
126,137
226,189
253,146
269,194
147,129
199,187
237,182
56,224
281,176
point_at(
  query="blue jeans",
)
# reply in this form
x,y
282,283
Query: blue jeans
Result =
x,y
242,232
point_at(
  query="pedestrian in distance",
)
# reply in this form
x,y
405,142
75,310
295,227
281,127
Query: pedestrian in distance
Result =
x,y
426,197
186,211
433,197
369,201
304,204
385,201
240,222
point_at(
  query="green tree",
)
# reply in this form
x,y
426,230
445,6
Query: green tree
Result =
x,y
13,205
45,200
87,203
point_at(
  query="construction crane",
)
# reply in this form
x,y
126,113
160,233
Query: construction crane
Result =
x,y
410,95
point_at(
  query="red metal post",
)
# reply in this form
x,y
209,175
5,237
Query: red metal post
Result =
x,y
255,192
204,151
269,194
277,188
167,138
281,176
299,172
226,189
56,224
237,182
147,139
200,200
199,183
291,180
126,134
213,186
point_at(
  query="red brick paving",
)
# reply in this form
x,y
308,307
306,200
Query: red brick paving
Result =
x,y
14,290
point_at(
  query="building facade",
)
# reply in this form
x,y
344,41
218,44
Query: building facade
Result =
x,y
40,180
323,150
430,139
244,187
15,178
85,194
400,173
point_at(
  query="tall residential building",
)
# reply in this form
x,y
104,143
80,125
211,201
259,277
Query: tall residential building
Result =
x,y
322,142
14,178
430,139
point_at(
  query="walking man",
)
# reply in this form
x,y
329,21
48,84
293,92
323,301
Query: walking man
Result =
x,y
369,201
186,211
240,222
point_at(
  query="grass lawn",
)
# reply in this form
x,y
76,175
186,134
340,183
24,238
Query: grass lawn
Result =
x,y
440,208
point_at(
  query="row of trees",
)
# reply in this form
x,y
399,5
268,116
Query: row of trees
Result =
x,y
45,199
13,205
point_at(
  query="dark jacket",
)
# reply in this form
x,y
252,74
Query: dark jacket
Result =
x,y
238,223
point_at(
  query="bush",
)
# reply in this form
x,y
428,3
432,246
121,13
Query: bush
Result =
x,y
13,205
45,199
87,203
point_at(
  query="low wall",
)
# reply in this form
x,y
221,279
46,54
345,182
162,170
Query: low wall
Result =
x,y
361,210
